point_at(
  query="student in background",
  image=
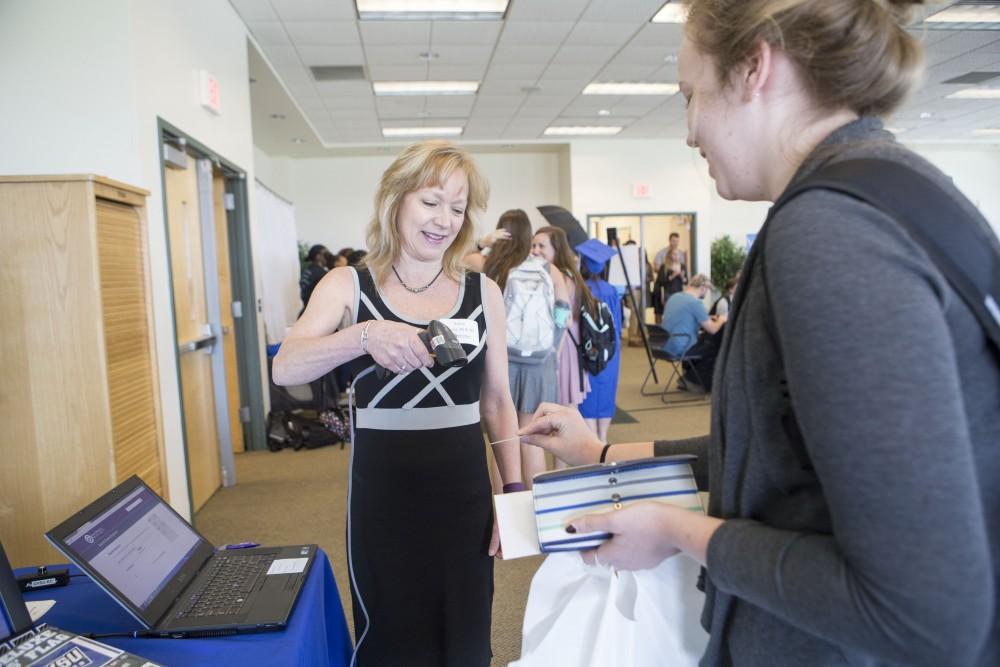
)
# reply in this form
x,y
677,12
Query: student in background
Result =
x,y
312,272
724,303
598,408
685,316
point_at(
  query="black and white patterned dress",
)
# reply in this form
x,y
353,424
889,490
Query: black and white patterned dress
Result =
x,y
419,504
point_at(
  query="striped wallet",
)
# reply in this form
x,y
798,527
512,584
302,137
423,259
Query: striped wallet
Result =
x,y
561,496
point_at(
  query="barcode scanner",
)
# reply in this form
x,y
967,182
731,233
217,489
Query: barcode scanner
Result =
x,y
443,345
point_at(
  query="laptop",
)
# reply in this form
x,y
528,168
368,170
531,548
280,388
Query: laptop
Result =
x,y
170,578
24,643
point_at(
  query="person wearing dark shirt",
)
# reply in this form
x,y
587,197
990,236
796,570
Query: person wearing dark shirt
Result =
x,y
313,271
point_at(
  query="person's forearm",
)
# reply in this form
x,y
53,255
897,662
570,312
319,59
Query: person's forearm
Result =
x,y
302,360
500,421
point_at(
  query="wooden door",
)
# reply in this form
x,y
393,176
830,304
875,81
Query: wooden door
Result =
x,y
226,309
658,228
191,321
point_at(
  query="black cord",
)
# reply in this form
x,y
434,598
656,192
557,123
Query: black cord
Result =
x,y
77,575
137,634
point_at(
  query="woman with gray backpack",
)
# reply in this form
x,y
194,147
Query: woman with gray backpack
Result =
x,y
536,300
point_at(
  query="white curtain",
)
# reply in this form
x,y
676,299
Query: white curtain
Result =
x,y
279,263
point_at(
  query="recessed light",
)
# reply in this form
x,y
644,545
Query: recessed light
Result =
x,y
298,140
278,116
421,131
630,88
924,115
966,13
431,10
583,130
604,112
672,12
896,130
425,87
976,94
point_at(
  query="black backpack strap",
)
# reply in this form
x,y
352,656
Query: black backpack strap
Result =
x,y
966,253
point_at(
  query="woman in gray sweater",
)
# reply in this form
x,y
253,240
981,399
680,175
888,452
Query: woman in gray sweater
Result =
x,y
854,455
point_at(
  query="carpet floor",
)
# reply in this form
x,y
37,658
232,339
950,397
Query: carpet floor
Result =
x,y
293,497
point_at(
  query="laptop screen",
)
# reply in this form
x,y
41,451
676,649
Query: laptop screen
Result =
x,y
138,544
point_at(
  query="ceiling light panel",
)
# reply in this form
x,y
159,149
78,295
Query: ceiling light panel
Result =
x,y
389,132
431,10
988,131
582,130
967,13
629,88
425,87
672,12
976,94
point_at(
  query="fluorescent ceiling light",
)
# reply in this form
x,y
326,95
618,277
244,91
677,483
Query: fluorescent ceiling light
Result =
x,y
966,14
896,130
672,12
581,130
421,131
987,131
976,94
628,88
425,87
431,10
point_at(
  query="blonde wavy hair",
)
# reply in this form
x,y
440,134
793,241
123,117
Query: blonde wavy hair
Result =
x,y
420,165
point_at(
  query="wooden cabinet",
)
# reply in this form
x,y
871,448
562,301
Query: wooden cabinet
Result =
x,y
79,403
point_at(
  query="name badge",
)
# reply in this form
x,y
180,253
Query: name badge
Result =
x,y
466,331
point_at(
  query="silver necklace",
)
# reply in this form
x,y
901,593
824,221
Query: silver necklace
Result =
x,y
417,290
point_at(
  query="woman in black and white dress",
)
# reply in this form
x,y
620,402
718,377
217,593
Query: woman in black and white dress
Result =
x,y
420,532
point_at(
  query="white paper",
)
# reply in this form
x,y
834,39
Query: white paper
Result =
x,y
288,566
466,331
37,608
630,253
518,530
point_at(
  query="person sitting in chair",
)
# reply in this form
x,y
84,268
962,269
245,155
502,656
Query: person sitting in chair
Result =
x,y
685,314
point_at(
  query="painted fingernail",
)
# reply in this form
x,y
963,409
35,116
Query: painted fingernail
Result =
x,y
571,529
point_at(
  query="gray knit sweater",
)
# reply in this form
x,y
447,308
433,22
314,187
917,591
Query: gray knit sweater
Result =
x,y
855,447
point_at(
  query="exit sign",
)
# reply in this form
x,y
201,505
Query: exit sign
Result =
x,y
641,191
209,89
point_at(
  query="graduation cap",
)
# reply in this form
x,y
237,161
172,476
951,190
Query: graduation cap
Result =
x,y
595,254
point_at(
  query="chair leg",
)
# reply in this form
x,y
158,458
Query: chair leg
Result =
x,y
649,374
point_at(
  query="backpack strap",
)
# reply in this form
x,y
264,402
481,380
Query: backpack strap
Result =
x,y
965,253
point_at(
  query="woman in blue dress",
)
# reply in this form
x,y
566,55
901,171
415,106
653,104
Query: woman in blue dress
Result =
x,y
599,406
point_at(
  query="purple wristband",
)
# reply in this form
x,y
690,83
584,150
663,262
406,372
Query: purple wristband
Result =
x,y
513,487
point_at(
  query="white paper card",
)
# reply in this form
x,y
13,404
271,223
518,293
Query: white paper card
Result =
x,y
466,331
37,608
516,518
288,566
630,253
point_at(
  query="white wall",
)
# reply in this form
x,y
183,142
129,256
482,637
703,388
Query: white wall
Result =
x,y
84,85
603,172
976,172
334,197
274,172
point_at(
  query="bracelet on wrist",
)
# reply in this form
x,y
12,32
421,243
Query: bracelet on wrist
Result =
x,y
364,337
513,487
604,452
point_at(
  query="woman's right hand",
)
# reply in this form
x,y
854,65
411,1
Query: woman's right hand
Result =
x,y
396,347
562,431
494,236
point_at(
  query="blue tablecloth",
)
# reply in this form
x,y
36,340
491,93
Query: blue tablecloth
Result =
x,y
316,634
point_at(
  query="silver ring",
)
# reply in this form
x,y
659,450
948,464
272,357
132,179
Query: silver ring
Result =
x,y
402,369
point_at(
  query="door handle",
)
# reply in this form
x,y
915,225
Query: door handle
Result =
x,y
198,344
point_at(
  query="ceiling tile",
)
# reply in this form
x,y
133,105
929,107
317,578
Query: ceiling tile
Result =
x,y
582,71
396,33
282,55
499,101
457,33
269,33
580,55
524,55
461,104
296,73
312,105
337,88
255,10
338,114
314,10
587,33
463,55
331,55
546,10
534,33
302,90
393,55
563,86
526,74
493,86
456,72
323,33
641,55
397,72
661,35
633,11
618,72
337,102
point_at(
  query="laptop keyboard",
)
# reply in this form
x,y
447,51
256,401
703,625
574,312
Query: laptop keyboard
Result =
x,y
231,578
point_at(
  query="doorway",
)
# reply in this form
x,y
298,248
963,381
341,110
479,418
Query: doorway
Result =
x,y
211,278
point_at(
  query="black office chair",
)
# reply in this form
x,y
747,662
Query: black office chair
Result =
x,y
658,337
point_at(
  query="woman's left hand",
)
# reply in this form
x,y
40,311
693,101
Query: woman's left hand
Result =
x,y
642,535
495,547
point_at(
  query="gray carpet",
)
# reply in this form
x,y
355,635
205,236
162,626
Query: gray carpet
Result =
x,y
300,497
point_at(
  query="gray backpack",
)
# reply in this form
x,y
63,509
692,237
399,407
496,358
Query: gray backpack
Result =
x,y
530,300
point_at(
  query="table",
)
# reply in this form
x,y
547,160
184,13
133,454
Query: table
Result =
x,y
316,633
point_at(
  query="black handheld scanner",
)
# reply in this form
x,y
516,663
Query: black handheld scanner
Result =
x,y
443,345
